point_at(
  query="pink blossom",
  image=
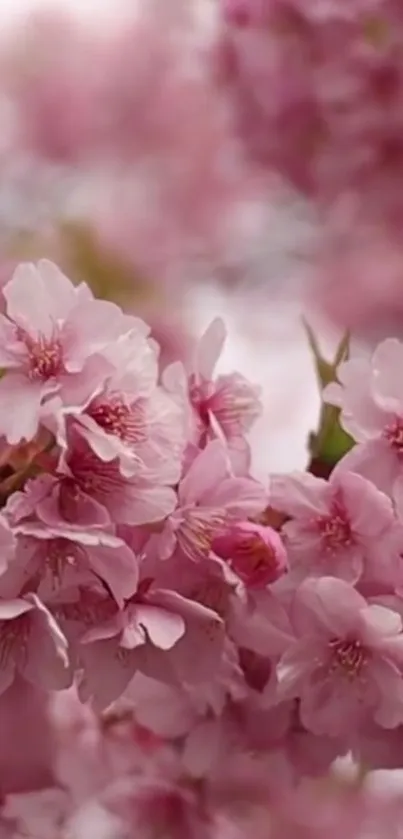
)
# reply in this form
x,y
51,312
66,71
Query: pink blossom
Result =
x,y
54,559
86,485
345,665
209,496
344,526
161,633
32,644
256,553
227,406
371,400
50,344
142,431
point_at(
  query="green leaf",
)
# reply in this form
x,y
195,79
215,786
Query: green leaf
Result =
x,y
326,370
331,441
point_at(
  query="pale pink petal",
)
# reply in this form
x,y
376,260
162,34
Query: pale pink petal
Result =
x,y
118,567
240,496
209,349
30,302
329,603
379,623
299,494
142,504
163,628
387,362
375,460
295,667
208,469
100,658
329,707
20,402
47,662
370,512
10,609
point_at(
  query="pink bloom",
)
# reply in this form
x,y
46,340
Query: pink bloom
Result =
x,y
229,402
346,663
32,644
86,484
209,496
256,553
161,633
226,406
50,344
56,500
370,395
54,559
344,526
141,431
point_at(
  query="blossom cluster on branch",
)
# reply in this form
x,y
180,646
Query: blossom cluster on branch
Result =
x,y
208,642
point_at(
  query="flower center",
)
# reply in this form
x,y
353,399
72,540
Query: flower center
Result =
x,y
393,433
93,476
60,554
348,657
45,357
197,531
119,419
335,529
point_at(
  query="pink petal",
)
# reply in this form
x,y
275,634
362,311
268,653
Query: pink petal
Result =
x,y
376,461
47,662
209,349
163,628
369,510
299,494
387,361
208,469
240,496
10,609
36,301
118,567
101,658
141,503
20,402
328,603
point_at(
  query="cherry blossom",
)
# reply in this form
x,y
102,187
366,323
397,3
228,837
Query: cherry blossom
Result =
x,y
343,526
345,665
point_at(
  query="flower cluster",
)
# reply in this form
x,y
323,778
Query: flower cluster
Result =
x,y
199,661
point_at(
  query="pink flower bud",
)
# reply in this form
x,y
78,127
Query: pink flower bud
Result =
x,y
256,553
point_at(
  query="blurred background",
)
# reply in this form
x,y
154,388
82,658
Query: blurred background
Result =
x,y
196,158
119,162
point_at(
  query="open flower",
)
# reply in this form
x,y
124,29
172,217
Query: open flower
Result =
x,y
54,559
369,392
346,663
51,340
161,633
225,406
344,526
209,496
88,488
